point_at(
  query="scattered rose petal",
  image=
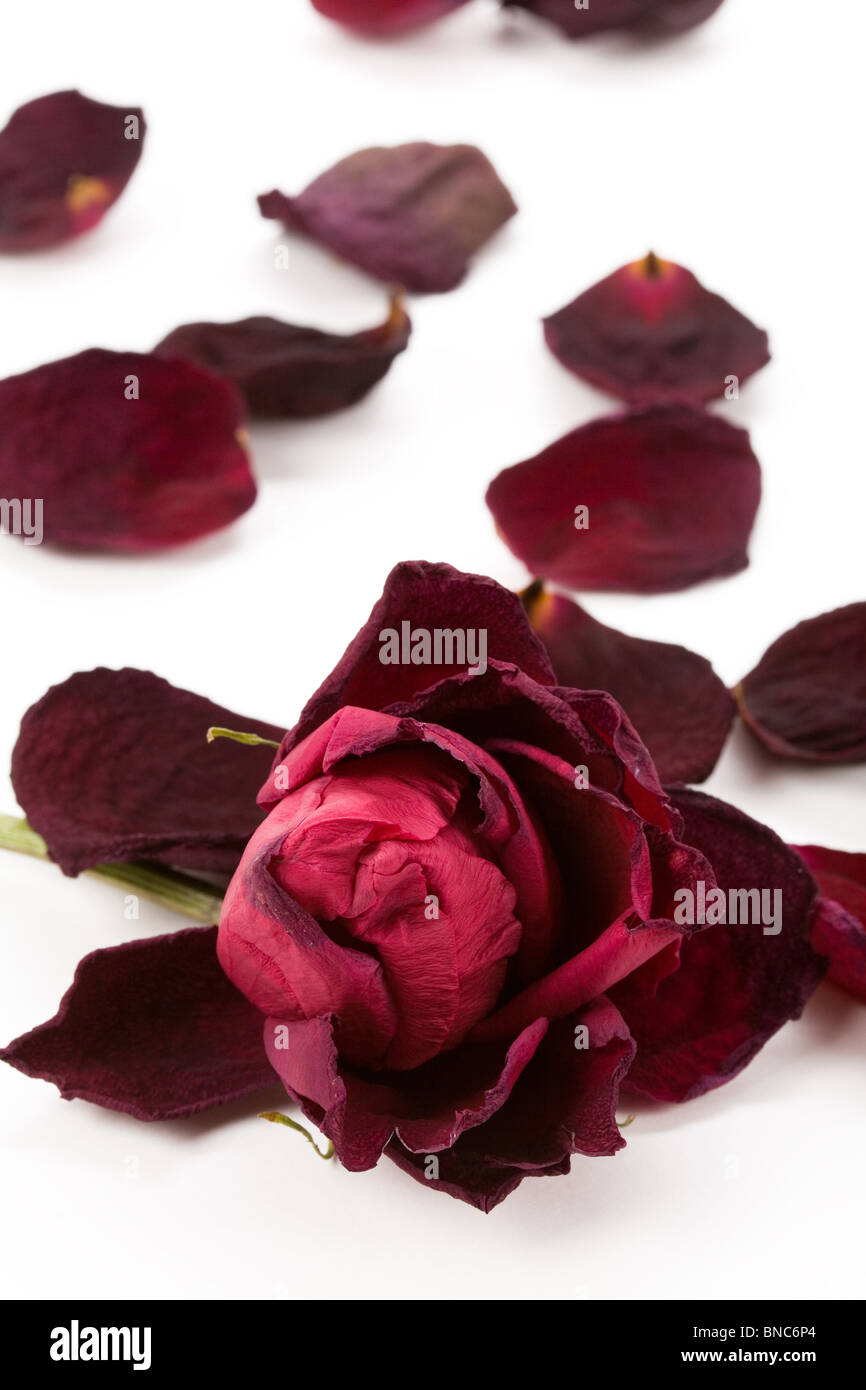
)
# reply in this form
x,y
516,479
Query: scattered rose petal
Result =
x,y
651,332
64,160
674,698
839,930
153,1028
663,16
649,501
806,698
735,986
114,765
287,372
125,451
412,215
383,17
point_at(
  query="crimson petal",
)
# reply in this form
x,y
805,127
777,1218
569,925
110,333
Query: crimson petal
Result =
x,y
674,698
285,372
651,332
64,160
735,987
649,501
124,451
412,215
152,1028
113,765
564,1103
839,930
806,698
663,16
426,596
379,18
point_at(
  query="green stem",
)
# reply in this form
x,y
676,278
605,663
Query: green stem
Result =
x,y
162,886
254,740
277,1118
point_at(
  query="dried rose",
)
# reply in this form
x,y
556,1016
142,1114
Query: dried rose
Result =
x,y
648,501
806,698
580,20
432,920
651,332
412,215
64,160
124,451
287,372
674,698
384,17
840,925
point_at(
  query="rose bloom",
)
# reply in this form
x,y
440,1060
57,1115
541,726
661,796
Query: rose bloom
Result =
x,y
451,932
457,915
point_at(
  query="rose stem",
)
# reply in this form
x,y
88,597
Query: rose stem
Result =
x,y
165,887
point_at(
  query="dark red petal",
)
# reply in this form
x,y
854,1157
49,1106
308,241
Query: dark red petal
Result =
x,y
735,987
114,765
651,332
564,1103
427,596
806,698
383,17
665,16
285,372
152,1028
428,1107
839,930
674,698
412,215
671,494
125,451
64,160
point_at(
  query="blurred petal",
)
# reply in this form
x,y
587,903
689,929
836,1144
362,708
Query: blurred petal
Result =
x,y
124,451
285,372
152,1028
806,698
650,501
735,986
64,160
664,16
839,930
114,765
651,332
384,17
674,698
412,215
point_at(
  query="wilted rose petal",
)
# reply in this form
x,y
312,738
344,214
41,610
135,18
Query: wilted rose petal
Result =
x,y
806,698
651,332
153,1028
124,450
839,930
412,215
664,16
674,698
64,160
738,981
287,372
114,765
383,17
649,501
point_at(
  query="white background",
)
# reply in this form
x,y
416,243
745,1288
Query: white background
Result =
x,y
736,151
